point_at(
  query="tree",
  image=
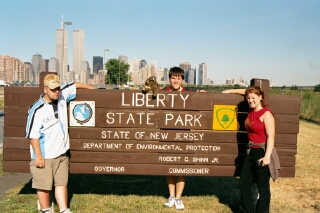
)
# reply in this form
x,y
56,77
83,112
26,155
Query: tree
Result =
x,y
317,88
114,66
294,87
236,86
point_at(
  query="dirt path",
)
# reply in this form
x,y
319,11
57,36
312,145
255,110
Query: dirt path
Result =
x,y
10,180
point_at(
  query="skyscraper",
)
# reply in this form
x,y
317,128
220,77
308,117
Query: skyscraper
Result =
x,y
165,74
78,50
45,65
11,69
152,69
134,70
97,64
159,74
62,52
144,71
202,74
53,65
28,70
101,79
37,64
84,73
191,76
123,59
186,66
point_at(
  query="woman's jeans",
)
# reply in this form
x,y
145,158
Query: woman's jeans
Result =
x,y
252,173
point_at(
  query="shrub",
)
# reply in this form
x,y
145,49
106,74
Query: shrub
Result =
x,y
317,88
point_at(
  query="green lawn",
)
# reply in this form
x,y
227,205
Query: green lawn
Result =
x,y
102,193
1,157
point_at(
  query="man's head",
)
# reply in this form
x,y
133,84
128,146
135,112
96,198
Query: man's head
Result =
x,y
51,87
176,77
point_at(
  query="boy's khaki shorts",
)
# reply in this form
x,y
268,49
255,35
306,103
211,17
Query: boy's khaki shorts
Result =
x,y
55,171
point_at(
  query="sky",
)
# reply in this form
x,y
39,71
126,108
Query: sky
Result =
x,y
277,40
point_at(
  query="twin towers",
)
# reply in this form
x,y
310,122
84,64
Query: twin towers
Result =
x,y
80,67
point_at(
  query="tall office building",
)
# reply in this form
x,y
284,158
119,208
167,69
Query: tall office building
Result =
x,y
97,64
123,59
186,66
45,65
202,74
37,64
195,76
6,68
101,79
134,70
165,74
153,69
191,76
53,65
62,52
144,71
159,74
78,50
83,75
28,71
11,69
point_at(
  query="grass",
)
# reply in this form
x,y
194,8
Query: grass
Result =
x,y
1,103
301,194
102,193
309,105
1,157
1,98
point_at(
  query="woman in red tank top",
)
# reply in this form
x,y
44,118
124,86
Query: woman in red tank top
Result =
x,y
260,126
260,123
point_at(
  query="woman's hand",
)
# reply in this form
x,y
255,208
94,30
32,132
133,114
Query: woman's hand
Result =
x,y
264,161
234,91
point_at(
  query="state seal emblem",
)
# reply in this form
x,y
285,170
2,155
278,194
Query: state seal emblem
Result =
x,y
225,117
82,113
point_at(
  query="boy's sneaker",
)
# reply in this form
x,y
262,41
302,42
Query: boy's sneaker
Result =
x,y
66,211
51,207
179,205
170,202
49,210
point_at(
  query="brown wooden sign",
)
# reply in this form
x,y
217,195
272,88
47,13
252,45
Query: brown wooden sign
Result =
x,y
169,135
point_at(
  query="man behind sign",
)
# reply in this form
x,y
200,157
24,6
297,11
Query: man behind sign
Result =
x,y
47,129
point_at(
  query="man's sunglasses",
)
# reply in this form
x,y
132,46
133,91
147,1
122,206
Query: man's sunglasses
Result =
x,y
55,89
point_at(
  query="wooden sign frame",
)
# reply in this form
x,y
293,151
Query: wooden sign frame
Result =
x,y
170,135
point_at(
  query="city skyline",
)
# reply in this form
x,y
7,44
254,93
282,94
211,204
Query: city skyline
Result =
x,y
279,41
